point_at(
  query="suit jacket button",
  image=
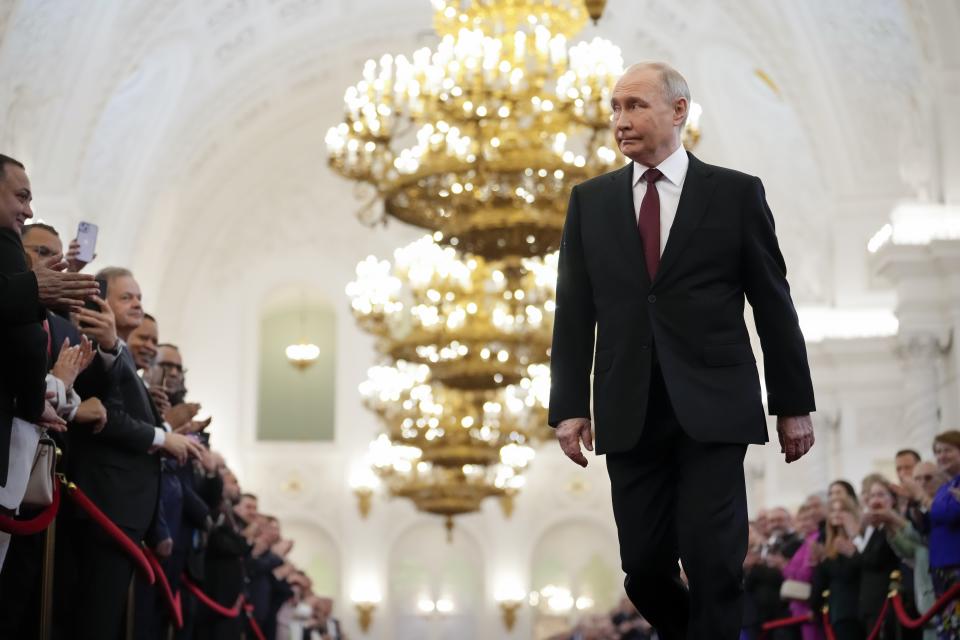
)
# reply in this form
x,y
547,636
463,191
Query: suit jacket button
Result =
x,y
651,298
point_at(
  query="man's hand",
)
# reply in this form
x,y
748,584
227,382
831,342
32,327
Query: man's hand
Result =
x,y
164,548
74,264
92,412
194,426
99,325
72,360
49,418
58,290
796,436
181,447
570,432
181,414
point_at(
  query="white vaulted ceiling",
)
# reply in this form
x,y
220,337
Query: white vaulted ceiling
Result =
x,y
157,117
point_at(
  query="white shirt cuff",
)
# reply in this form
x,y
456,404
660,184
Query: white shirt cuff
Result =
x,y
159,437
110,358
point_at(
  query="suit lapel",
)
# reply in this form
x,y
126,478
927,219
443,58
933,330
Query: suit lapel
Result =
x,y
697,189
625,222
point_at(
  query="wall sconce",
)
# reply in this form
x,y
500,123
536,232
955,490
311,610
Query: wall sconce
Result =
x,y
510,596
363,483
366,598
509,609
365,614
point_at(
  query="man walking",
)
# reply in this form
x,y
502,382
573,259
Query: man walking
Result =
x,y
655,262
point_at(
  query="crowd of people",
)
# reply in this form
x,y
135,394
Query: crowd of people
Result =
x,y
846,544
82,364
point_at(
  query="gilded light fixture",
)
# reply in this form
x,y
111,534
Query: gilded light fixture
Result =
x,y
509,609
365,614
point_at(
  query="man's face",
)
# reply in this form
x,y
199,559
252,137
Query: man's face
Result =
x,y
929,477
15,198
905,464
41,244
247,509
169,359
816,510
644,123
763,523
142,342
124,298
779,521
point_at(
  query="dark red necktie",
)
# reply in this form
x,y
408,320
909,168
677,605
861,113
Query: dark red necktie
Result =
x,y
649,222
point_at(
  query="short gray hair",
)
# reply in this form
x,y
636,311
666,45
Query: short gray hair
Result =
x,y
107,274
674,84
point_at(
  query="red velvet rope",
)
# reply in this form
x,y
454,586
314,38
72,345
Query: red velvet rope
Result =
x,y
113,531
253,623
951,594
37,523
171,601
784,622
879,625
209,602
895,600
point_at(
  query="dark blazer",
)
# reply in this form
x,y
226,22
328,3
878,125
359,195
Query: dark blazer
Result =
x,y
721,249
877,561
23,344
841,577
114,467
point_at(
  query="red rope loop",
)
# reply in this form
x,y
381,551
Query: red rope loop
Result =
x,y
209,602
171,601
949,596
254,627
784,622
880,618
113,531
37,523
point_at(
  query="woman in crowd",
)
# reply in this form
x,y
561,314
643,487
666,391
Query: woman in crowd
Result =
x,y
799,570
878,560
944,518
839,489
838,572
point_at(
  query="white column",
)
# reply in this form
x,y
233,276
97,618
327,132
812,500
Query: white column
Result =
x,y
920,353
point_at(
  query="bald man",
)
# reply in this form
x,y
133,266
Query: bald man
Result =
x,y
656,261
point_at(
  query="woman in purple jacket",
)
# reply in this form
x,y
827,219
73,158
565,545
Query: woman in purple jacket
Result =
x,y
944,517
799,570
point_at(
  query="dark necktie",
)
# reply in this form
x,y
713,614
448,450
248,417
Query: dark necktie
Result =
x,y
649,222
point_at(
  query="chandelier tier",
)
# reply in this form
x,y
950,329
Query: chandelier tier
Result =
x,y
478,324
478,141
480,138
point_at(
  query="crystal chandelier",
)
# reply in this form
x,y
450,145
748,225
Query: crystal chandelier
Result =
x,y
478,141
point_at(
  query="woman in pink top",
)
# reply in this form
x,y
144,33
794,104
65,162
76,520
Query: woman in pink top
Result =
x,y
801,565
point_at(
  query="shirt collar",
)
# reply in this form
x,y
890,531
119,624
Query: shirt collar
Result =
x,y
674,168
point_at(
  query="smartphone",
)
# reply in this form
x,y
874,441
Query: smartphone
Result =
x,y
90,304
87,239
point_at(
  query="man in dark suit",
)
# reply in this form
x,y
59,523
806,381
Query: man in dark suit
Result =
x,y
23,295
655,261
118,467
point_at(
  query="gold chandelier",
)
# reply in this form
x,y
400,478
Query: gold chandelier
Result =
x,y
478,141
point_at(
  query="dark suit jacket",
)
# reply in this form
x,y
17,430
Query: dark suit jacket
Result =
x,y
23,344
721,249
841,577
876,562
114,467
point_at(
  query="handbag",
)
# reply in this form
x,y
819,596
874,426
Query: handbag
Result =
x,y
42,475
795,590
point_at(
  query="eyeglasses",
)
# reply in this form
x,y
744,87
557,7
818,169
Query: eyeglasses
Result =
x,y
172,365
923,478
42,250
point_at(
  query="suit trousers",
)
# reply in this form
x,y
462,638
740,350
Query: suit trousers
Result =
x,y
92,582
675,498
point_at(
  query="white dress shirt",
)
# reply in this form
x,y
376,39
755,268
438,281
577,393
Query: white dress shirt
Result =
x,y
674,170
